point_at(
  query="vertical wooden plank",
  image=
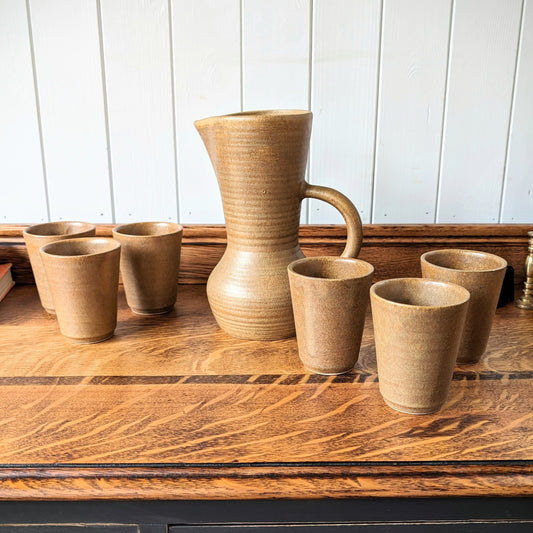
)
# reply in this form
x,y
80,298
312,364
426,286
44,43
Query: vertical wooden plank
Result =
x,y
23,196
207,82
517,204
68,68
276,54
482,64
344,85
413,79
137,58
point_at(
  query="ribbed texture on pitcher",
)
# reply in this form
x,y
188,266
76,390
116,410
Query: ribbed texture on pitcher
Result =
x,y
259,160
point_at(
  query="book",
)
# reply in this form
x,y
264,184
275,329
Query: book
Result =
x,y
6,280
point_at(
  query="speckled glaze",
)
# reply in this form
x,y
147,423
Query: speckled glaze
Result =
x,y
418,325
482,274
150,264
40,234
83,278
329,297
260,159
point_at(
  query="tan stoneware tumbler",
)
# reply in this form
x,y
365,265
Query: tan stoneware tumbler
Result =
x,y
150,263
83,278
482,274
41,234
330,298
418,325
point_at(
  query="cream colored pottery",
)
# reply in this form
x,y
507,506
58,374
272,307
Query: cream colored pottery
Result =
x,y
482,274
260,159
418,324
329,297
40,234
150,265
83,278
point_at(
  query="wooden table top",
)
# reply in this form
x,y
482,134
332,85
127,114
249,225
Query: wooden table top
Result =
x,y
171,407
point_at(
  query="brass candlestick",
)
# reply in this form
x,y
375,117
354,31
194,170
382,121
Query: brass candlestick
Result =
x,y
526,300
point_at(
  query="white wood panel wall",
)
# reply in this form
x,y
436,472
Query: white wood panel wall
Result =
x,y
23,194
207,78
138,75
480,87
423,110
346,40
414,48
275,54
68,75
517,205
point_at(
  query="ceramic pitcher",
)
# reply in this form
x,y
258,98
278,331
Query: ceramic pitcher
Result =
x,y
260,159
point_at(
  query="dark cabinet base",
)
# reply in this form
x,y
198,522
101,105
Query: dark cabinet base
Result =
x,y
462,515
383,527
78,528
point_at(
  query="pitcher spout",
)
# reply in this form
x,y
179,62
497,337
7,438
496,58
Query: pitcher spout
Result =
x,y
207,128
216,127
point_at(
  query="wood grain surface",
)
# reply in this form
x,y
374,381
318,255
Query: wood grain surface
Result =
x,y
173,408
394,250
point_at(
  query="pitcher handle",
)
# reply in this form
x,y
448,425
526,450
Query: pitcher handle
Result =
x,y
354,228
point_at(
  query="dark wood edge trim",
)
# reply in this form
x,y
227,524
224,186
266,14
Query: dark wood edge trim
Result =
x,y
215,232
209,483
266,469
460,374
394,250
